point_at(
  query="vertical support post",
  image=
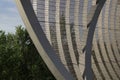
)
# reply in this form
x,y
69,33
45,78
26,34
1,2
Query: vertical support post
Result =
x,y
88,74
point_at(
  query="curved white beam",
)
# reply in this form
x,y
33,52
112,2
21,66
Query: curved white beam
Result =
x,y
41,42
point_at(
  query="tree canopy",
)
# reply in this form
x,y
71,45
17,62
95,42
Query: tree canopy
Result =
x,y
19,59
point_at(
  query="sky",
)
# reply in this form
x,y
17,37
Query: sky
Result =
x,y
9,16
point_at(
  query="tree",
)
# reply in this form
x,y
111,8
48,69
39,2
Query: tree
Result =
x,y
19,59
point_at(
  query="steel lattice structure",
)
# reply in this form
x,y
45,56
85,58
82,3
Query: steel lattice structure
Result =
x,y
75,38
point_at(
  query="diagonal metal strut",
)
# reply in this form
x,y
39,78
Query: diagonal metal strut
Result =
x,y
88,74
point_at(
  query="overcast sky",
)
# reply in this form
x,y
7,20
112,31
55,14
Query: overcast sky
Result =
x,y
9,16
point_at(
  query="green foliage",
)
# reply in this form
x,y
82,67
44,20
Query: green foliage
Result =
x,y
19,59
